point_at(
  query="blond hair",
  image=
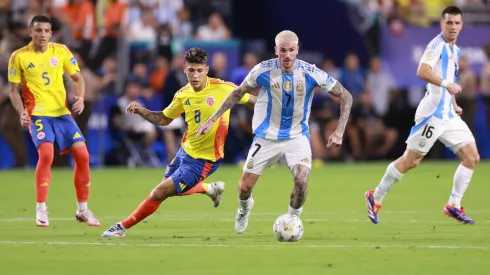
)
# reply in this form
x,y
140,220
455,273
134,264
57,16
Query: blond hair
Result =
x,y
286,36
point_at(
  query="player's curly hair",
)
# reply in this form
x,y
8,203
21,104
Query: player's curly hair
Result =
x,y
197,56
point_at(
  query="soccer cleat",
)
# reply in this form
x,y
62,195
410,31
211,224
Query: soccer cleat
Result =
x,y
87,217
42,218
372,207
217,188
241,219
116,230
458,214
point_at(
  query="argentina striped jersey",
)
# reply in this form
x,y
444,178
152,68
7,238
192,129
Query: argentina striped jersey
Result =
x,y
283,105
443,59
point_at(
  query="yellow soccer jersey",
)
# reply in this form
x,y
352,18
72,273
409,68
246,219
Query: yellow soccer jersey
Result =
x,y
41,77
198,107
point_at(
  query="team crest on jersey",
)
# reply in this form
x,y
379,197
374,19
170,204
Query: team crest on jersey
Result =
x,y
40,135
300,88
422,143
12,71
210,101
287,85
53,61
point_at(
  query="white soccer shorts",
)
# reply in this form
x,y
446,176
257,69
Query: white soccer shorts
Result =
x,y
454,133
265,153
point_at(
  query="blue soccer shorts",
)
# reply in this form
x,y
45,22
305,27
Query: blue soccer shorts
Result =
x,y
187,171
61,129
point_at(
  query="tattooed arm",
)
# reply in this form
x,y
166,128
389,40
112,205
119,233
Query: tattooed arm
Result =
x,y
157,118
345,106
232,99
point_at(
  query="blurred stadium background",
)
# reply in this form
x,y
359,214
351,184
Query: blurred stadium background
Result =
x,y
132,50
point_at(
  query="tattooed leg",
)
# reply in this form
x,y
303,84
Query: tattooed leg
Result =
x,y
300,190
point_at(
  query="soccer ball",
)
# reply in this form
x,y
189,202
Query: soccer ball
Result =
x,y
288,228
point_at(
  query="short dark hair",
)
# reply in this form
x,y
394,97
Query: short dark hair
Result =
x,y
196,55
453,10
40,19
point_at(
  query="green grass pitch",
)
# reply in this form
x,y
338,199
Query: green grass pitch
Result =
x,y
188,236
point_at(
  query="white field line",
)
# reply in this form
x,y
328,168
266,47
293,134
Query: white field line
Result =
x,y
193,216
246,245
253,219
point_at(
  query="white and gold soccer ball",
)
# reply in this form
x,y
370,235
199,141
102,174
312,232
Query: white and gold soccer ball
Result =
x,y
288,228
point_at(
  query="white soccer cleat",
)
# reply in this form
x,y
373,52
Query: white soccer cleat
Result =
x,y
42,218
215,191
87,217
116,231
241,219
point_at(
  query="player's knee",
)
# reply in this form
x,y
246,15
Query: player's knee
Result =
x,y
409,163
81,155
46,158
159,194
46,153
472,160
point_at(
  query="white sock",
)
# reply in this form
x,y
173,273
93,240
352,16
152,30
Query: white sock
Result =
x,y
41,206
295,212
461,180
391,176
82,206
210,190
121,225
245,204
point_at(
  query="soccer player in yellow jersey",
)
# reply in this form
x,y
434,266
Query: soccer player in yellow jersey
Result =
x,y
38,68
198,157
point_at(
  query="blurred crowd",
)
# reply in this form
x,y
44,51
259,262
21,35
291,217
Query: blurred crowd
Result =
x,y
150,35
423,12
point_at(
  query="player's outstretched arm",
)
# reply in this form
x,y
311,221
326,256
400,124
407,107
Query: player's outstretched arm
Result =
x,y
25,119
426,73
345,107
157,118
229,102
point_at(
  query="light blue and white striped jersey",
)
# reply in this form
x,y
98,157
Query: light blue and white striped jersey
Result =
x,y
283,105
443,59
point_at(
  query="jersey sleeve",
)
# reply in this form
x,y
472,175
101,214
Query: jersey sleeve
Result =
x,y
70,64
432,54
251,78
175,108
322,79
14,69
